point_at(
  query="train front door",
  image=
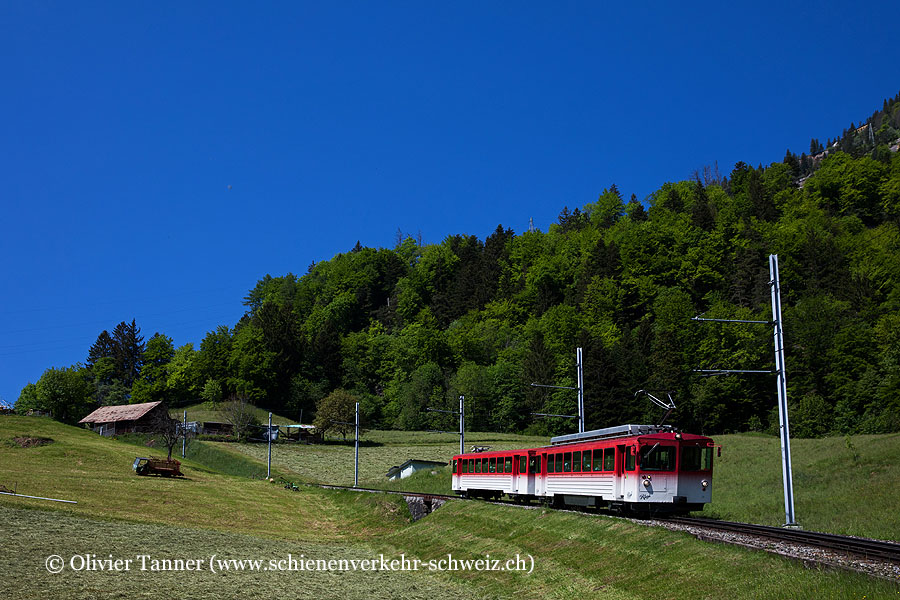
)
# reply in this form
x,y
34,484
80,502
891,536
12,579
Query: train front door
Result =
x,y
620,473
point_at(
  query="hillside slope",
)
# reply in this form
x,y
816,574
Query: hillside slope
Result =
x,y
121,515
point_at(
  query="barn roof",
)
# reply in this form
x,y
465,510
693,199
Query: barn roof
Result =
x,y
122,412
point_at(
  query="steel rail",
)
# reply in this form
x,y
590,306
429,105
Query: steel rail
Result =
x,y
862,547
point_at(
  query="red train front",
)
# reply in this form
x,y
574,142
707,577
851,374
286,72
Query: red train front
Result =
x,y
630,468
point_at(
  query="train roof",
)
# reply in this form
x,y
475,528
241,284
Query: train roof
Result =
x,y
611,432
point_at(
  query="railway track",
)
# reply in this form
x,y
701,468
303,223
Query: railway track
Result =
x,y
861,547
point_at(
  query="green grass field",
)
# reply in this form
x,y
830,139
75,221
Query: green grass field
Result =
x,y
199,412
839,487
207,513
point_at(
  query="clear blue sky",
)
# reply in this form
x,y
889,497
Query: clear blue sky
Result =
x,y
158,158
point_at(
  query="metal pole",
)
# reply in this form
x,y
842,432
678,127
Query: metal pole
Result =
x,y
184,434
356,469
269,461
790,520
462,429
580,369
38,497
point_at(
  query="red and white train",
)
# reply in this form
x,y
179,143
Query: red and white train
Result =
x,y
639,469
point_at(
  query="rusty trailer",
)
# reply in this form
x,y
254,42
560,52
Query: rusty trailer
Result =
x,y
157,466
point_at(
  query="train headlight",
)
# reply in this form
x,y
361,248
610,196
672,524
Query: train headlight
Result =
x,y
646,483
705,484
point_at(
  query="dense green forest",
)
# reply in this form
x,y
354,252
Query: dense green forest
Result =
x,y
417,325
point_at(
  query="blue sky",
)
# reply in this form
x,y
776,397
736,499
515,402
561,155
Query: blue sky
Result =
x,y
157,159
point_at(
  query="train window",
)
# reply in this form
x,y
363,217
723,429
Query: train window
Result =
x,y
576,462
695,458
509,464
586,461
534,464
598,460
551,466
477,465
657,458
523,463
465,465
609,459
500,465
567,462
559,463
493,465
454,465
629,458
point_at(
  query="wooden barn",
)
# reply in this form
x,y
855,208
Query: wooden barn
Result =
x,y
125,418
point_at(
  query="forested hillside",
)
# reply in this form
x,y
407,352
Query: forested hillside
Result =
x,y
416,325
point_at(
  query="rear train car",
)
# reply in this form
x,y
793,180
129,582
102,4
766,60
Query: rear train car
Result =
x,y
641,469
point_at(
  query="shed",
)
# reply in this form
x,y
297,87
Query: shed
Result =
x,y
302,433
411,466
124,418
216,428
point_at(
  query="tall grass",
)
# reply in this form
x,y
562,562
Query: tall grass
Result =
x,y
32,535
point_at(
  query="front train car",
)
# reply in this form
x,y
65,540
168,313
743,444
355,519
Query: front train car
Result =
x,y
667,472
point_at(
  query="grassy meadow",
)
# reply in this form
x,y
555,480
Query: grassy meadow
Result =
x,y
201,412
209,512
841,485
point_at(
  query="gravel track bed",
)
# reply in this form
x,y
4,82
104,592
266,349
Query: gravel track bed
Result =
x,y
808,554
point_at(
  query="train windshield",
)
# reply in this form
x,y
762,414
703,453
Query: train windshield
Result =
x,y
658,458
695,458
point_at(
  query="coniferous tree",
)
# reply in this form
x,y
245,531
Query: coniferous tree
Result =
x,y
635,210
701,213
763,207
104,347
790,159
128,351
